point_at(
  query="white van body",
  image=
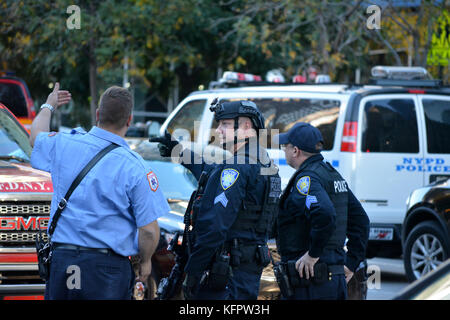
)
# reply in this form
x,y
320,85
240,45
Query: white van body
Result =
x,y
371,159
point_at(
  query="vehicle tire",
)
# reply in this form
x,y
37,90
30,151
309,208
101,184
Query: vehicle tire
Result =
x,y
425,249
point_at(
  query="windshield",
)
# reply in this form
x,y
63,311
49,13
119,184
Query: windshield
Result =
x,y
283,113
175,181
14,141
12,96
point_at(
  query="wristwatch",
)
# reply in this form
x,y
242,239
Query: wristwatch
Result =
x,y
48,106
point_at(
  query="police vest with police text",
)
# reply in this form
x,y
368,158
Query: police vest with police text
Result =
x,y
293,229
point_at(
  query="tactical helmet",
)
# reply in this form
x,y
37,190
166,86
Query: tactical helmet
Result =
x,y
236,109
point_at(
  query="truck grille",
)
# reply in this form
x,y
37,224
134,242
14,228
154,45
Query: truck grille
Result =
x,y
25,209
25,237
19,222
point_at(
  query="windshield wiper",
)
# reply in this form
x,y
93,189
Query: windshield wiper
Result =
x,y
13,158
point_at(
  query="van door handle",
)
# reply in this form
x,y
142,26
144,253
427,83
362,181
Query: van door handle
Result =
x,y
377,202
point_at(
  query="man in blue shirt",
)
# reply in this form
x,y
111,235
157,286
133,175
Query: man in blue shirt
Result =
x,y
112,213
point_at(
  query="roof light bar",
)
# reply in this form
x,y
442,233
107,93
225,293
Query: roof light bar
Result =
x,y
299,79
230,76
400,73
274,76
323,78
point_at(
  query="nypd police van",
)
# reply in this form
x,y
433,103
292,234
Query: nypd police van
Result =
x,y
386,139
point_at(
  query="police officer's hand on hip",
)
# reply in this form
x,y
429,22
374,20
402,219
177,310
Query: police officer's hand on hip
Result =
x,y
315,219
305,265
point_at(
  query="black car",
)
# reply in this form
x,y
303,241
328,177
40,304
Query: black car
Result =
x,y
434,286
426,229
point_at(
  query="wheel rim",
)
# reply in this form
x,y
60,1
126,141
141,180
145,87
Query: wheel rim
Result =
x,y
427,253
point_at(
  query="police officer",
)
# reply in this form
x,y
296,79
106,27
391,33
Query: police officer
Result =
x,y
234,209
111,214
317,212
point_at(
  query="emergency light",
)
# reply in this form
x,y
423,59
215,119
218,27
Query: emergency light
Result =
x,y
400,73
230,76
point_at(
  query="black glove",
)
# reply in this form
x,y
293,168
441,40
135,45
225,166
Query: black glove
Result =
x,y
166,144
190,286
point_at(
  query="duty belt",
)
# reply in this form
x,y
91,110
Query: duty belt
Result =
x,y
322,273
80,248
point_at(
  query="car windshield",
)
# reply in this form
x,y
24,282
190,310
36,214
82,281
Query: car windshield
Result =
x,y
14,142
175,181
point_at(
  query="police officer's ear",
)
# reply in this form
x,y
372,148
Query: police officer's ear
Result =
x,y
296,151
130,119
96,116
246,124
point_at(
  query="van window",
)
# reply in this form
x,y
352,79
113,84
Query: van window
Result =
x,y
12,97
186,117
390,125
283,113
437,121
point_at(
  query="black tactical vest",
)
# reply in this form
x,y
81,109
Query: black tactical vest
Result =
x,y
293,224
260,218
337,189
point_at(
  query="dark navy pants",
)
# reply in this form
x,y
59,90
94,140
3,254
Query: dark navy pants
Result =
x,y
243,285
81,274
334,289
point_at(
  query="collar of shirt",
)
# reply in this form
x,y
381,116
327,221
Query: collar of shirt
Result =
x,y
314,158
108,136
253,150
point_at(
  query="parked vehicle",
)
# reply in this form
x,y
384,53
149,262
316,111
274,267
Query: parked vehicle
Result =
x,y
433,286
25,195
426,229
15,95
386,139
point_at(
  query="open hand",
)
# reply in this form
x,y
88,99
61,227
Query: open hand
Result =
x,y
306,263
58,97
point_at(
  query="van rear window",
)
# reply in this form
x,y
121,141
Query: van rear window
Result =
x,y
390,125
283,113
437,121
12,97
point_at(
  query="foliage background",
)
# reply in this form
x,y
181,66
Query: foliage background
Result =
x,y
175,46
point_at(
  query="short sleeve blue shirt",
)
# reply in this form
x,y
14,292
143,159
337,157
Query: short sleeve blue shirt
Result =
x,y
119,195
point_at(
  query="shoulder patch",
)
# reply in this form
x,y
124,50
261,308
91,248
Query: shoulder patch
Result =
x,y
52,134
228,178
303,185
152,181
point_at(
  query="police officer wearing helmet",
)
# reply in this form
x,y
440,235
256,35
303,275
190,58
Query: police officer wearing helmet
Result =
x,y
317,212
234,209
